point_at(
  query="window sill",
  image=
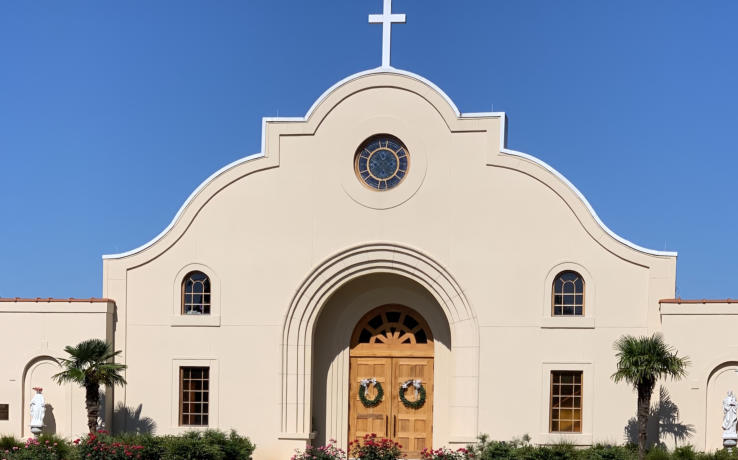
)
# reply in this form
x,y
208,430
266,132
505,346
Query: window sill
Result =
x,y
195,321
563,322
577,439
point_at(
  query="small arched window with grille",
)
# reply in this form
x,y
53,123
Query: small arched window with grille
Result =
x,y
392,330
568,294
196,294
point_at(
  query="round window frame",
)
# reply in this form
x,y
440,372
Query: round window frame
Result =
x,y
362,130
370,140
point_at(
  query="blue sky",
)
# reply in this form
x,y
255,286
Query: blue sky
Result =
x,y
111,113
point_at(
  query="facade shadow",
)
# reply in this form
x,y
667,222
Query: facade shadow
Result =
x,y
49,420
663,423
129,420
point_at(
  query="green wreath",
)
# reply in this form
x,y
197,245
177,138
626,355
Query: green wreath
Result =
x,y
362,393
417,404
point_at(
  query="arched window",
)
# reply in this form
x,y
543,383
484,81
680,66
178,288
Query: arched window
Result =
x,y
568,294
392,329
196,294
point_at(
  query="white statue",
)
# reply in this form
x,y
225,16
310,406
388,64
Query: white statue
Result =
x,y
729,420
38,411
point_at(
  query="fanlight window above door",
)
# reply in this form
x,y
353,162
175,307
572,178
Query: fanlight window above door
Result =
x,y
392,330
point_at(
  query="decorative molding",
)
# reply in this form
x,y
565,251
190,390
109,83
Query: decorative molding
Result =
x,y
567,322
213,393
391,70
721,308
213,319
587,321
326,279
385,199
588,401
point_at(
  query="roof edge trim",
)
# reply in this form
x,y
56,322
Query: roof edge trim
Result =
x,y
392,70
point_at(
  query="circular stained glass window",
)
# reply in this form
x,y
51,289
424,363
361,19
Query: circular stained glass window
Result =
x,y
382,162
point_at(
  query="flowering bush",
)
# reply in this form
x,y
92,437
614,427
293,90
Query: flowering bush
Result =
x,y
33,449
101,446
329,452
371,448
446,454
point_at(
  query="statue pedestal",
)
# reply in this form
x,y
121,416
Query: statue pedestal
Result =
x,y
730,440
36,430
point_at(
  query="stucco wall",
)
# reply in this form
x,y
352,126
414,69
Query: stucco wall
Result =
x,y
501,226
704,331
34,334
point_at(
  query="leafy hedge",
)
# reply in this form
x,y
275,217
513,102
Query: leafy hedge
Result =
x,y
522,450
195,445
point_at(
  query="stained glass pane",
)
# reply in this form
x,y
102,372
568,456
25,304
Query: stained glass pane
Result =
x,y
381,162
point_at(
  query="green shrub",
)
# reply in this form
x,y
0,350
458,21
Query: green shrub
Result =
x,y
190,446
101,446
151,447
328,452
34,449
520,449
609,452
684,453
207,445
658,453
8,442
64,449
488,450
372,448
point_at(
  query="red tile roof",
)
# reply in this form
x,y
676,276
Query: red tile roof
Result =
x,y
51,299
680,300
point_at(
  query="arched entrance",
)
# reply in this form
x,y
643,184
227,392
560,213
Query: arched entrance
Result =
x,y
316,341
392,350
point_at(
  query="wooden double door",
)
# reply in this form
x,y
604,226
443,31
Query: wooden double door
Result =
x,y
392,344
411,428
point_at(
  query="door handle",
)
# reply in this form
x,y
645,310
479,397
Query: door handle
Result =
x,y
386,425
394,423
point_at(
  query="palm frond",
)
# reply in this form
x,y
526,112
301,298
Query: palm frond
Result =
x,y
644,360
91,362
72,375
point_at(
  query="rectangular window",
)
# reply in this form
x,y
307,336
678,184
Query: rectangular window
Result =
x,y
194,391
4,411
566,401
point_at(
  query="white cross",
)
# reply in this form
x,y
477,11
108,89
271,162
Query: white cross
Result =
x,y
386,19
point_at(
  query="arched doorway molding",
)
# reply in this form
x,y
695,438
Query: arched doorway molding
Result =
x,y
334,272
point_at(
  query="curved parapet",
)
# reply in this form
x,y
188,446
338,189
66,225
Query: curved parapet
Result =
x,y
274,127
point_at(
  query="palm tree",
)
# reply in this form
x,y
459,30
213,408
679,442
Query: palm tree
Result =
x,y
642,361
90,364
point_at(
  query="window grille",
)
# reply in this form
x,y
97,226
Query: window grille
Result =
x,y
568,294
196,294
566,401
194,396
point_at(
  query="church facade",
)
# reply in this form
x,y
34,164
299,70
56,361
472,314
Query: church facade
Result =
x,y
385,240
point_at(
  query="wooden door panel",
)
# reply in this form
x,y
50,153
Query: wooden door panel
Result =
x,y
412,428
366,420
393,344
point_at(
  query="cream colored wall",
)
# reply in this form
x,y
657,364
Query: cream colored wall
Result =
x,y
501,226
35,333
706,333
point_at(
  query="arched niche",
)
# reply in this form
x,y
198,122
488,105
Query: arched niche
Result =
x,y
722,379
38,373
